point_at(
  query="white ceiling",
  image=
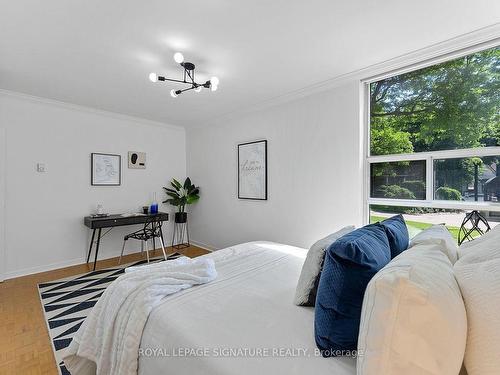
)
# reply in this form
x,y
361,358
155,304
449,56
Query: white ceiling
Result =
x,y
99,53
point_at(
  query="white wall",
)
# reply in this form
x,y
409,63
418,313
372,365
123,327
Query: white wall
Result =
x,y
44,211
314,171
315,157
2,202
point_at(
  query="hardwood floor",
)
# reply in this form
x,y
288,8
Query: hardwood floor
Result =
x,y
24,342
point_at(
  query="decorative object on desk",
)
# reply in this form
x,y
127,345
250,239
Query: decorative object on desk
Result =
x,y
100,209
180,196
474,224
99,212
153,209
105,170
136,160
252,170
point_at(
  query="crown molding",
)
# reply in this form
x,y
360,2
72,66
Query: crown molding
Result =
x,y
90,110
479,39
483,38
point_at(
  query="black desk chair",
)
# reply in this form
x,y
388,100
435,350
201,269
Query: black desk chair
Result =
x,y
150,231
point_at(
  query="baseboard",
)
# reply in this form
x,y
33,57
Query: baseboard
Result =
x,y
76,262
44,268
203,246
58,265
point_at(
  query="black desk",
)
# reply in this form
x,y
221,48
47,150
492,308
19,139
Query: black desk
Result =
x,y
112,221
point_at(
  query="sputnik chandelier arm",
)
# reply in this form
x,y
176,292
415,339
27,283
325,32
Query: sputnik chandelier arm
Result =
x,y
188,78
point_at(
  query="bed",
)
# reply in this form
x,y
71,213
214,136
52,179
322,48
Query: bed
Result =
x,y
244,322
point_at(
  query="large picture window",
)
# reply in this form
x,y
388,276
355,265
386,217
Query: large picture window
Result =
x,y
434,137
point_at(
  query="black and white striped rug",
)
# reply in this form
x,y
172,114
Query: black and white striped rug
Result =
x,y
67,302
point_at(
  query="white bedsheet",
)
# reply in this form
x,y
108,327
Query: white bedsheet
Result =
x,y
248,307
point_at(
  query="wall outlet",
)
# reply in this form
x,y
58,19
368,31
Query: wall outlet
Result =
x,y
40,167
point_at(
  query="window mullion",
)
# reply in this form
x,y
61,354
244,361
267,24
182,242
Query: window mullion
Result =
x,y
445,154
429,179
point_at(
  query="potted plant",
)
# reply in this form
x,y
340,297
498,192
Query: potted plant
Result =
x,y
180,196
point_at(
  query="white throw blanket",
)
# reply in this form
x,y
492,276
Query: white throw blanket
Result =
x,y
109,339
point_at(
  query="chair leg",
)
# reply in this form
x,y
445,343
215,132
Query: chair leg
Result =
x,y
163,248
123,248
142,248
147,250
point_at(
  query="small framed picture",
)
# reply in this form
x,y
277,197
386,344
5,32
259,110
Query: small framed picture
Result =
x,y
252,170
106,169
136,160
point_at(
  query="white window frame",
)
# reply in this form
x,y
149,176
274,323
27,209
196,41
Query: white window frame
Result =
x,y
428,157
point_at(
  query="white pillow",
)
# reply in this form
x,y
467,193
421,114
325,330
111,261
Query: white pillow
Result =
x,y
413,318
488,244
441,235
305,294
480,285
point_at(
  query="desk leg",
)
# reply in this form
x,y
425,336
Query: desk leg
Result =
x,y
154,241
97,247
91,244
161,234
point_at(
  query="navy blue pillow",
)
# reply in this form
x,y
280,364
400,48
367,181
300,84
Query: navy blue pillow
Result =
x,y
350,263
397,234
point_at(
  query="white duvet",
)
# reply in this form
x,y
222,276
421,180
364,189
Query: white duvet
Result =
x,y
217,328
108,341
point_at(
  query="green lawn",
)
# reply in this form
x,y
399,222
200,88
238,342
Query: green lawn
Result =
x,y
415,226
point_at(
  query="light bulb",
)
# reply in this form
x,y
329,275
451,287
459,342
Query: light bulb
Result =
x,y
213,87
153,77
173,94
214,81
178,57
198,89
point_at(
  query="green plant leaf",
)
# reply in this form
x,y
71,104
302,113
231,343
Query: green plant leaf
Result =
x,y
192,198
173,195
170,190
176,184
182,195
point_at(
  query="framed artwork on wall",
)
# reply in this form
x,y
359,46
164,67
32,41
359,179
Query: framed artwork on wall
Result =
x,y
136,160
105,170
252,170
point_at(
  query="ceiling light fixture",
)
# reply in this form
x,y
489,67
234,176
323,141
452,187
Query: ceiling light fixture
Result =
x,y
153,77
179,57
188,79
